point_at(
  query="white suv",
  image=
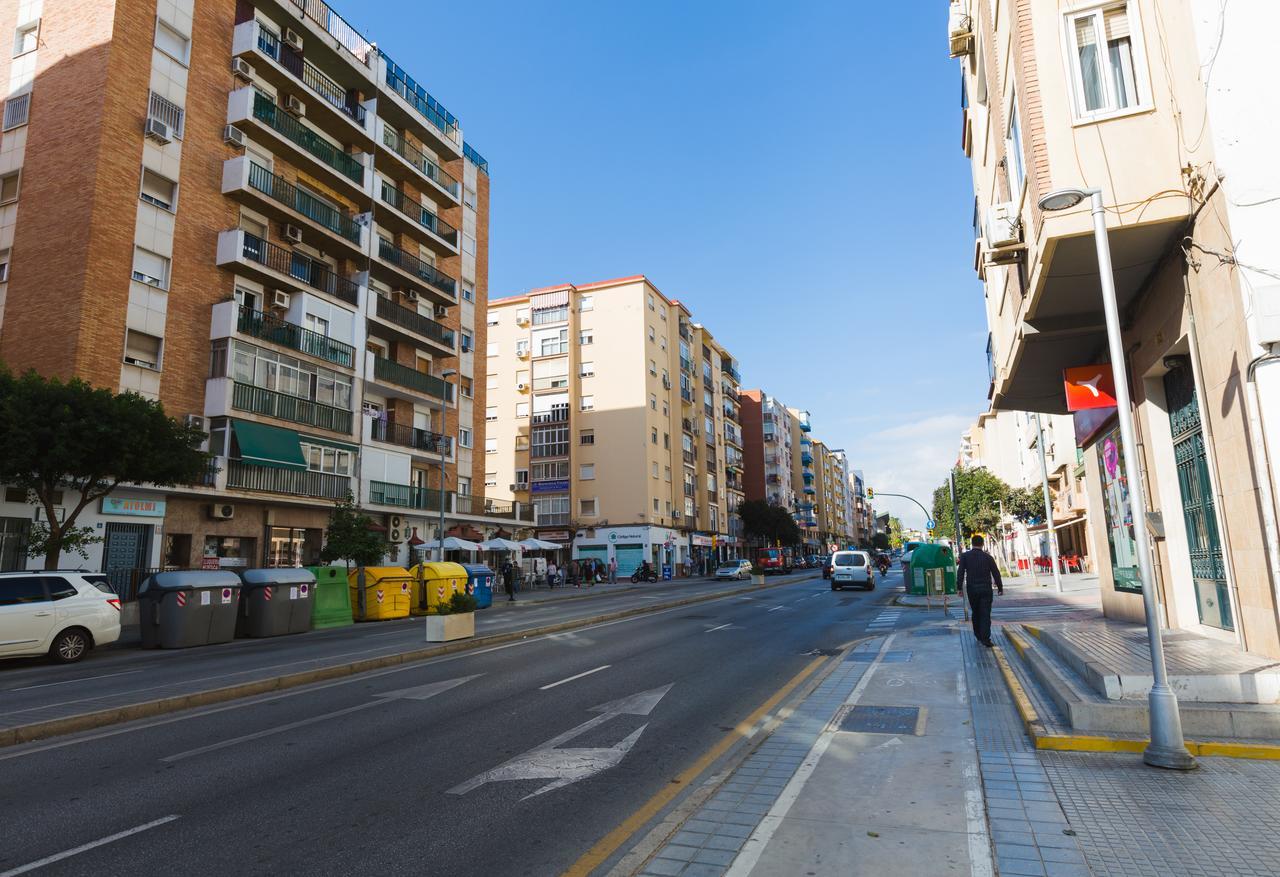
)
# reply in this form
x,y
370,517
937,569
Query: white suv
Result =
x,y
851,568
62,614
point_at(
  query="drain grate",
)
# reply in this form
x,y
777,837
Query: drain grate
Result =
x,y
883,720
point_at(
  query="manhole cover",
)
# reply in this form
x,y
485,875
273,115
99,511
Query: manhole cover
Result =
x,y
882,719
933,631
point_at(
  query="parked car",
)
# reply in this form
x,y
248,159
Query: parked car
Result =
x,y
774,560
800,562
850,568
58,613
734,569
826,566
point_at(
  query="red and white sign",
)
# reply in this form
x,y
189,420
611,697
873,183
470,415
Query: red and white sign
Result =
x,y
266,592
439,592
303,589
1089,386
209,563
378,594
226,595
404,587
182,598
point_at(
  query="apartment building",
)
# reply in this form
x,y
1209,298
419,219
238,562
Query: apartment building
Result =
x,y
862,514
615,415
1117,96
766,426
805,474
256,216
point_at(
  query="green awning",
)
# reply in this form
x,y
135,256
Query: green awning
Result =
x,y
269,446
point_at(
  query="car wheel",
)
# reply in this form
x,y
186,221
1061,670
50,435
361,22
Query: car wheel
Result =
x,y
70,646
871,586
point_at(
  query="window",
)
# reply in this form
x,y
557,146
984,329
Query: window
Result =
x,y
587,471
586,336
158,190
16,111
587,437
666,440
549,441
26,38
150,268
666,410
172,43
653,402
491,381
9,185
1015,167
586,302
666,474
587,508
522,479
653,435
164,110
491,412
522,409
469,197
551,373
468,291
4,265
650,297
464,486
491,446
586,369
652,334
321,458
466,341
319,325
522,348
19,590
464,437
492,348
491,479
468,244
654,468
465,387
550,342
653,368
492,319
1105,65
141,349
662,342
588,403
522,442
655,505
557,470
547,316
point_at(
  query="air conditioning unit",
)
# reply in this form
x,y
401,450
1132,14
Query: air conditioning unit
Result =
x,y
960,29
157,131
294,106
291,233
410,295
395,528
194,421
441,311
1003,227
222,511
521,387
280,299
233,135
666,382
522,352
514,487
242,69
292,39
522,320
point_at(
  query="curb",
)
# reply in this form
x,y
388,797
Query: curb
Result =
x,y
1058,742
149,709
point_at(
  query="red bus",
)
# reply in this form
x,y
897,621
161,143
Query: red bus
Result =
x,y
774,560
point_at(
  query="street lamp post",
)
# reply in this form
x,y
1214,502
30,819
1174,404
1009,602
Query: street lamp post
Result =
x,y
1167,747
444,376
1048,506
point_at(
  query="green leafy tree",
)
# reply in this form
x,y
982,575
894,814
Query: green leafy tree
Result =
x,y
978,494
767,524
351,537
895,532
70,436
1026,504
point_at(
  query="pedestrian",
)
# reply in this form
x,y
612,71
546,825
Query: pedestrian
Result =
x,y
613,570
551,574
509,578
979,570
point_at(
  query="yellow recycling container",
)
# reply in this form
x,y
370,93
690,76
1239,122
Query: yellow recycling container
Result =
x,y
388,592
436,583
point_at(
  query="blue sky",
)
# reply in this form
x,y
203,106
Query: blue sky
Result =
x,y
791,171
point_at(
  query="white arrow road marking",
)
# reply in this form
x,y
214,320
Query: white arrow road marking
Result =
x,y
776,608
565,766
721,627
420,692
578,676
84,848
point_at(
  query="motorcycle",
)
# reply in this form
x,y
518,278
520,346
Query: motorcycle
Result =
x,y
882,564
650,575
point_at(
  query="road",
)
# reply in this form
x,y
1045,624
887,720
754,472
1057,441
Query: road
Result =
x,y
509,760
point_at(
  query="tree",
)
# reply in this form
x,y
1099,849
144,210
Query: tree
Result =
x,y
768,524
978,494
351,537
1026,504
880,541
895,532
70,436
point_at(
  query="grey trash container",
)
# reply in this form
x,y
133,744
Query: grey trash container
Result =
x,y
185,608
275,602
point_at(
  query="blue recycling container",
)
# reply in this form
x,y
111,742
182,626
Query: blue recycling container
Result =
x,y
480,584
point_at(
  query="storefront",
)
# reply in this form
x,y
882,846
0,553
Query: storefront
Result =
x,y
630,547
202,533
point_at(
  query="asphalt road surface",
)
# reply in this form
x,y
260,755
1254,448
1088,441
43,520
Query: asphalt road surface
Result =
x,y
512,760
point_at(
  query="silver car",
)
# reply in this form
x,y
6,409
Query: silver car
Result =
x,y
734,569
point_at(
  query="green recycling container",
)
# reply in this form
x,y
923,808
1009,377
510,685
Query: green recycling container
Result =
x,y
933,570
332,604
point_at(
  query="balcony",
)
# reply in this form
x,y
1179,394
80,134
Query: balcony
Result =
x,y
732,437
684,330
406,496
268,327
362,53
387,371
424,276
295,482
411,104
418,325
280,268
691,522
804,423
257,400
410,437
687,425
686,395
558,414
257,187
329,104
732,371
466,504
401,155
806,458
691,457
413,217
686,365
254,112
709,410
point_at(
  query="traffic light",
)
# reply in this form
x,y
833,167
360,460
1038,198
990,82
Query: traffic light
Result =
x,y
871,494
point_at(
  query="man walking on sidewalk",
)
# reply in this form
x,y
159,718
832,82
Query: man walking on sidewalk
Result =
x,y
980,570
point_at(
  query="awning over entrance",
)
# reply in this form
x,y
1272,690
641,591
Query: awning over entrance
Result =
x,y
269,446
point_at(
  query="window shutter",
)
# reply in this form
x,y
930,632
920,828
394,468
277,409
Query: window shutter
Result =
x,y
1116,23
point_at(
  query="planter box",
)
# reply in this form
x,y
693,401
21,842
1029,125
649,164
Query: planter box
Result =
x,y
443,628
757,580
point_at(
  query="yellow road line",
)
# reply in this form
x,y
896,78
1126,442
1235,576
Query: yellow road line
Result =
x,y
609,844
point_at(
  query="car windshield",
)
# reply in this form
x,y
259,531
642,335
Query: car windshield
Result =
x,y
848,558
730,566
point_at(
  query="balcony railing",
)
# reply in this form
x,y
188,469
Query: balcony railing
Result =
x,y
481,163
552,519
296,482
411,437
684,330
408,497
414,321
424,271
327,89
346,35
691,522
419,214
731,371
466,504
687,425
686,394
418,98
291,129
246,397
410,153
709,409
686,365
278,331
313,273
280,189
557,414
403,376
690,457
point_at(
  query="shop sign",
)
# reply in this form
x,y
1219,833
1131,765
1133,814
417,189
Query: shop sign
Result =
x,y
1089,386
627,536
550,486
555,535
137,508
698,540
209,563
225,562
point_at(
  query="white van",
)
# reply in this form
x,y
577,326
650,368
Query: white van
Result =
x,y
61,614
849,568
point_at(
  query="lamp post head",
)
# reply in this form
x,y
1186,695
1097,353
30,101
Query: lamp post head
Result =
x,y
1063,199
